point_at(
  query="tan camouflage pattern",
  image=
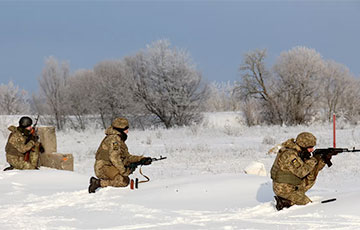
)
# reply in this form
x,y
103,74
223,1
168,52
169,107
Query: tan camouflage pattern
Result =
x,y
109,175
111,158
18,162
306,139
16,149
120,123
295,194
288,162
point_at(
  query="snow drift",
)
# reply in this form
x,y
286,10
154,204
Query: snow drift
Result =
x,y
201,184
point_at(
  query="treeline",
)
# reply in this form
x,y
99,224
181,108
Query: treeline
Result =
x,y
161,85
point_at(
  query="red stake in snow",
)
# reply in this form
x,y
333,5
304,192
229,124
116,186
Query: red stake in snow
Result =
x,y
334,136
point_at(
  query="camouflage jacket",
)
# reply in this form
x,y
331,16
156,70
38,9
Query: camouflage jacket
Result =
x,y
16,144
114,151
289,167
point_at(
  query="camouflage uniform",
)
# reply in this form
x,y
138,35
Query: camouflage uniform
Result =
x,y
293,176
112,157
17,146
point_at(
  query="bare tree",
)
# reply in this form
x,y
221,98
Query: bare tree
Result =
x,y
221,97
112,91
299,74
251,108
52,84
337,84
349,107
80,96
167,83
257,82
12,99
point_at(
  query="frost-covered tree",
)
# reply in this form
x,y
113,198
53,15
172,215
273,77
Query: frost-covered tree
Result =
x,y
250,108
221,97
113,97
167,83
80,97
53,86
298,74
257,83
350,103
338,86
12,100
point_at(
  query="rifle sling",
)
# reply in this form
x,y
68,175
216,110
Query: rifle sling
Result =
x,y
147,178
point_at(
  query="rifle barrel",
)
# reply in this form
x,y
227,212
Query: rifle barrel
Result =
x,y
158,159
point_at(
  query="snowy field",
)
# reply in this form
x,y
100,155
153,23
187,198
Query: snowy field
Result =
x,y
201,185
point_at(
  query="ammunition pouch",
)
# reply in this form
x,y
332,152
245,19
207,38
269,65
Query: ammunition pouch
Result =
x,y
287,178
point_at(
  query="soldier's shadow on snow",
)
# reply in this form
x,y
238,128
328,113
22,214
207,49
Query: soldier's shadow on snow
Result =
x,y
265,193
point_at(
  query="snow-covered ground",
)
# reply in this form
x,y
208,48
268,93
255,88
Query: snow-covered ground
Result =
x,y
201,185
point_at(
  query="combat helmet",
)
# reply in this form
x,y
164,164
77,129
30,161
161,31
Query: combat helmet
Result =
x,y
306,140
25,122
120,123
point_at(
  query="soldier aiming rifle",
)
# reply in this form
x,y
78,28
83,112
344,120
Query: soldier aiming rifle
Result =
x,y
113,160
23,146
295,170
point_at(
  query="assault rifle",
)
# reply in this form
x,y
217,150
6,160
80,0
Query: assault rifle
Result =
x,y
327,153
145,161
134,165
33,136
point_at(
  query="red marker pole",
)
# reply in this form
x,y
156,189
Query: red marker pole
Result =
x,y
334,133
132,184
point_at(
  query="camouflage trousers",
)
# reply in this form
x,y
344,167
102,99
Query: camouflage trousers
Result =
x,y
110,175
296,193
18,162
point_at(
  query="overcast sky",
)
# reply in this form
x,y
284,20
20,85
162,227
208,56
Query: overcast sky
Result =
x,y
216,33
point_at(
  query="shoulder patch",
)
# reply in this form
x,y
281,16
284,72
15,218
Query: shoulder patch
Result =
x,y
295,163
116,146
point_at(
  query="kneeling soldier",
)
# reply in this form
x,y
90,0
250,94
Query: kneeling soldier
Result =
x,y
294,171
112,158
22,148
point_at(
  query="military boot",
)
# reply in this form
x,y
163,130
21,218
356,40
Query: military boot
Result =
x,y
9,168
94,184
282,203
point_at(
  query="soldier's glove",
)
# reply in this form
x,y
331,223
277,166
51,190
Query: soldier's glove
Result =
x,y
304,155
326,158
41,148
146,161
132,167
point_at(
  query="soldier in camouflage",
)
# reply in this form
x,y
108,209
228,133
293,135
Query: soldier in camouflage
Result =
x,y
294,171
22,148
112,158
